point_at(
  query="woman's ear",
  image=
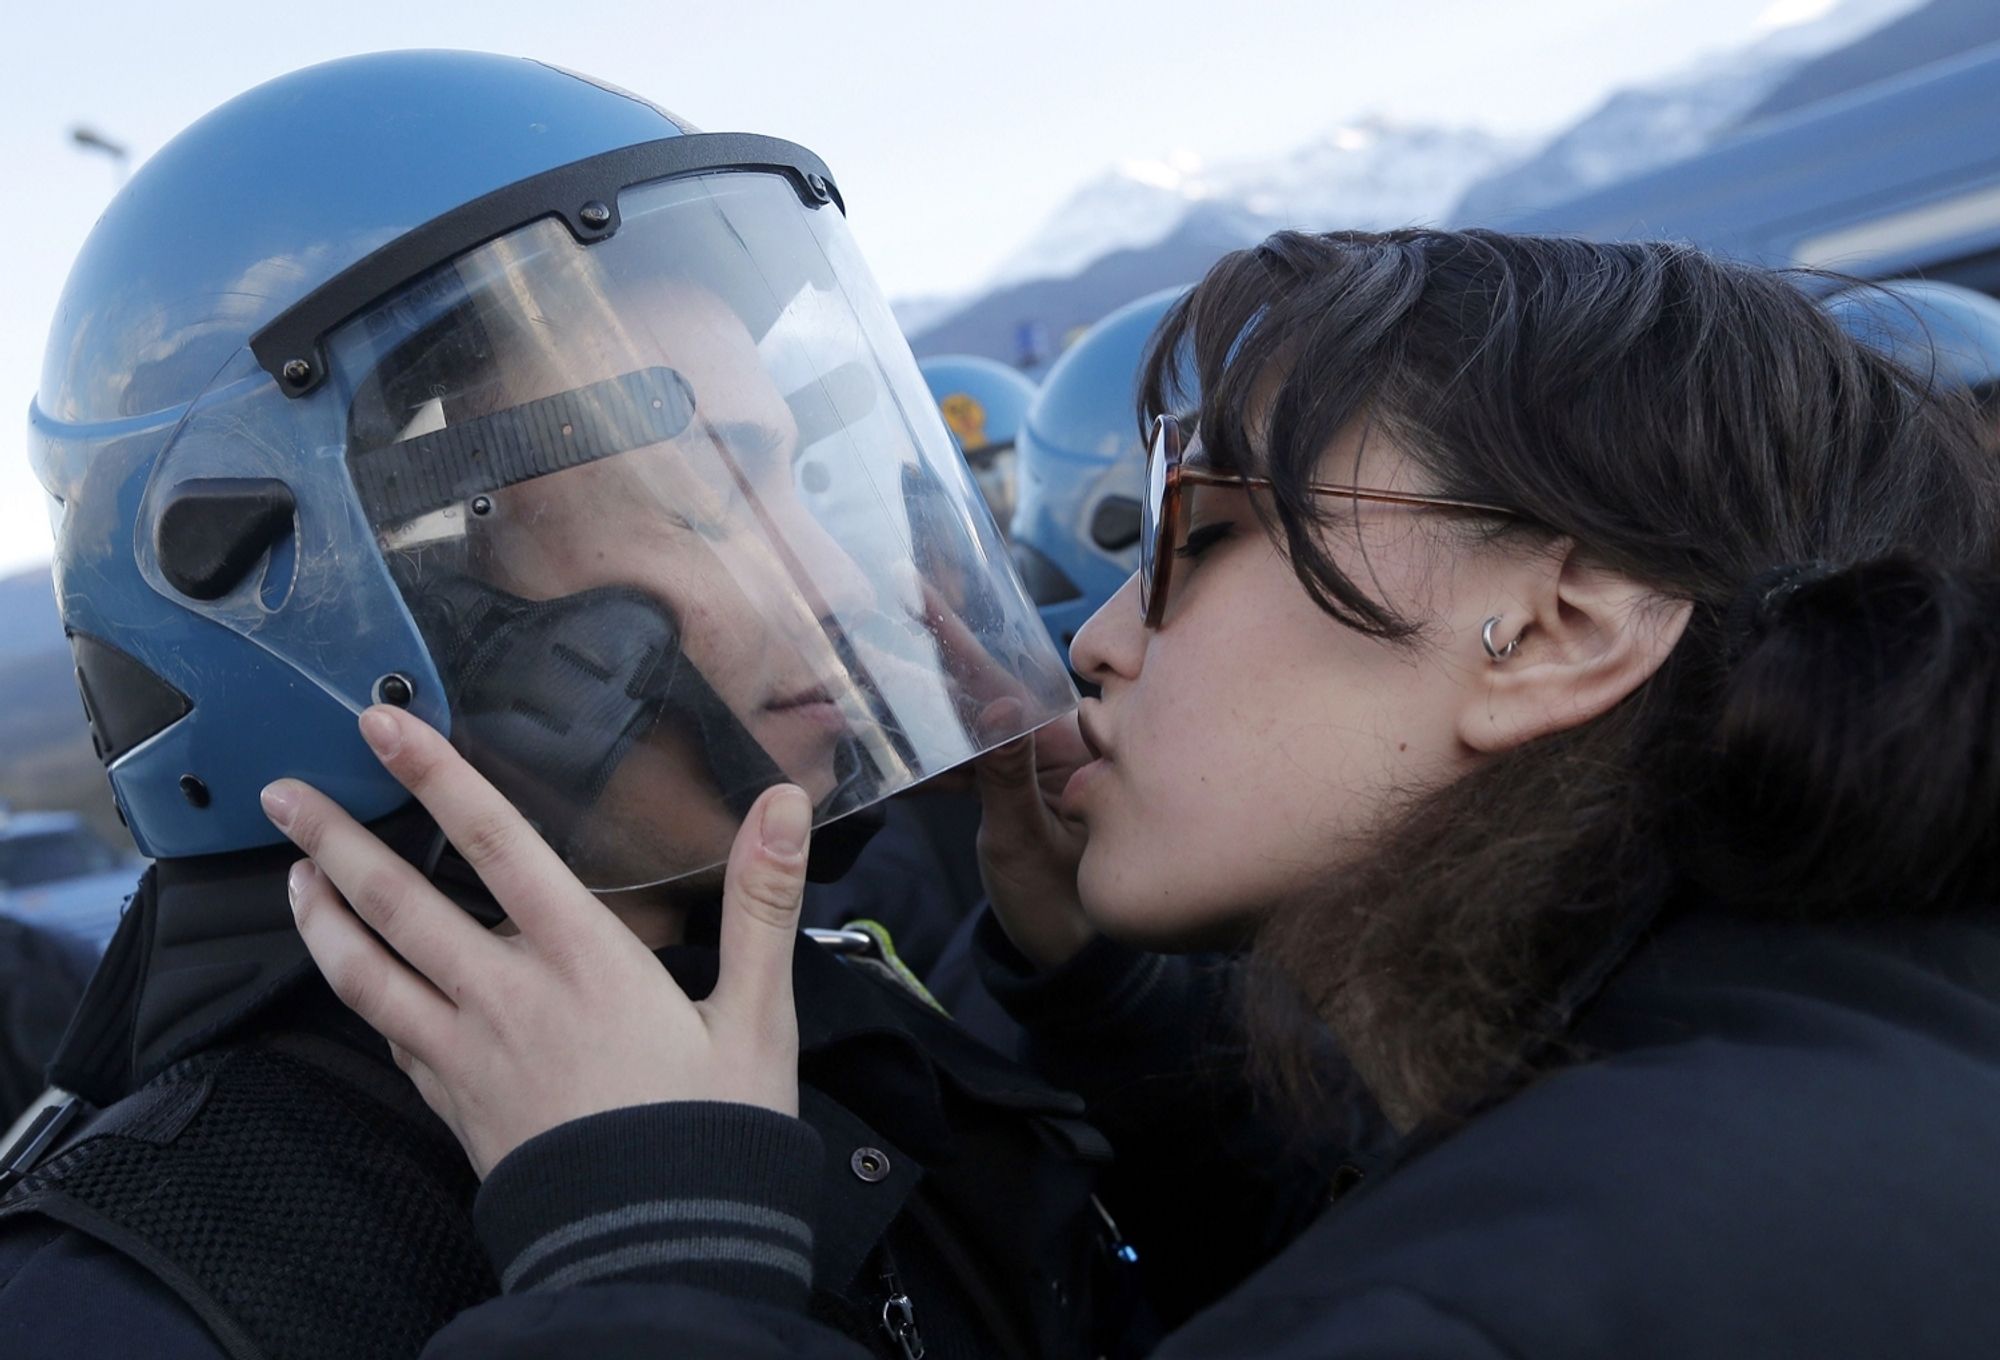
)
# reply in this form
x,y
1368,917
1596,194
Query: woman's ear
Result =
x,y
1586,636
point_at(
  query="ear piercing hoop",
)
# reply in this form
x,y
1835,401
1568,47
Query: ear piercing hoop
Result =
x,y
1486,640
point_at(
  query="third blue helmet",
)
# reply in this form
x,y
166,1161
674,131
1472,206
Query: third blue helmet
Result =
x,y
984,403
1940,329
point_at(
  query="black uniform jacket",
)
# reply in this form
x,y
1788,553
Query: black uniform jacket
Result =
x,y
1770,1140
931,1191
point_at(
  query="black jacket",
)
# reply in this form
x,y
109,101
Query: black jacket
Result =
x,y
918,876
1773,1141
924,1167
41,979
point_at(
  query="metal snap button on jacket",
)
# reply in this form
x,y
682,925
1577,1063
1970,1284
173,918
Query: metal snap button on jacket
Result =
x,y
871,1164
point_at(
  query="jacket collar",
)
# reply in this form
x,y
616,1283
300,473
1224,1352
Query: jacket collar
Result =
x,y
208,948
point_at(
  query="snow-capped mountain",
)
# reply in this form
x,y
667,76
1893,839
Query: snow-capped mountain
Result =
x,y
1370,174
1153,224
1646,126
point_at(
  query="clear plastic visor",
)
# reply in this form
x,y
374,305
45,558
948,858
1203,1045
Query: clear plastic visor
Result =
x,y
678,520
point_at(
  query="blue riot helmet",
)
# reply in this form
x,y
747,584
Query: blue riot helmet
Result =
x,y
464,383
1082,466
1933,328
983,402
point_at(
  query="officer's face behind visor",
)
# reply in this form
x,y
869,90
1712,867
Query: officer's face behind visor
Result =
x,y
678,520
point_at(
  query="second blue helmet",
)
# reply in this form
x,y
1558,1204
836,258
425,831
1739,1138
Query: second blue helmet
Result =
x,y
1082,466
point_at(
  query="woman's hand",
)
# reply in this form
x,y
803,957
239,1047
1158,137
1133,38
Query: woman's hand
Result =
x,y
1028,851
508,1036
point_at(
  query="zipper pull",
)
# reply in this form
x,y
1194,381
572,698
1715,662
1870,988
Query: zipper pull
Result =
x,y
1115,1245
899,1315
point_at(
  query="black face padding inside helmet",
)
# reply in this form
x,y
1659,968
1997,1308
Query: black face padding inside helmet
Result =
x,y
550,696
124,702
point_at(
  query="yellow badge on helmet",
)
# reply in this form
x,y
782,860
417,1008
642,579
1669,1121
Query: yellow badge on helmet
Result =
x,y
967,418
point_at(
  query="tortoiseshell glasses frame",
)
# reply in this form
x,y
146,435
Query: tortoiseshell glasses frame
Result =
x,y
1164,508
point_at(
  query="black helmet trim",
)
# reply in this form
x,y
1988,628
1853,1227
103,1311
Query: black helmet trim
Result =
x,y
450,466
584,194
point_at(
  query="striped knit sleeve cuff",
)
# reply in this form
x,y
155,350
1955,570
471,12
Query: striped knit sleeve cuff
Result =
x,y
692,1192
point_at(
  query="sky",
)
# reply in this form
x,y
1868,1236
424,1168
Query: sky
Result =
x,y
953,129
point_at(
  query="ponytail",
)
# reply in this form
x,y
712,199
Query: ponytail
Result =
x,y
1854,761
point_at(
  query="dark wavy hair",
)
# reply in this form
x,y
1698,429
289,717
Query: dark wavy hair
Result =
x,y
1819,744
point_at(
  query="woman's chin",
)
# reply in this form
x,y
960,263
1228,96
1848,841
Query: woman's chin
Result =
x,y
1155,918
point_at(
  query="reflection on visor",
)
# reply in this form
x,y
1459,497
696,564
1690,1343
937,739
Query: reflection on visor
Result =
x,y
754,554
825,406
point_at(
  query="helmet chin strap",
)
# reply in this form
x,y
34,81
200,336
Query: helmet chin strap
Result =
x,y
550,696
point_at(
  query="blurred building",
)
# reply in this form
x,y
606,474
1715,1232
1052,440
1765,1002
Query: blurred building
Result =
x,y
1898,179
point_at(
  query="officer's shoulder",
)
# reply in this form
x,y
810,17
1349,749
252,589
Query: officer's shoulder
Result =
x,y
64,1294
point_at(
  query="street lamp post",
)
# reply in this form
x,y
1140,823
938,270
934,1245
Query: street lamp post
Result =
x,y
90,139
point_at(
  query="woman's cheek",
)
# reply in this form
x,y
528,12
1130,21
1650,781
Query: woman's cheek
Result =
x,y
1148,886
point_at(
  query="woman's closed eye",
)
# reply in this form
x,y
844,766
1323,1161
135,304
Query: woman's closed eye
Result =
x,y
1203,537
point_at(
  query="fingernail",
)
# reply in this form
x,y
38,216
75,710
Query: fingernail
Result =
x,y
1000,717
296,881
380,730
787,819
280,802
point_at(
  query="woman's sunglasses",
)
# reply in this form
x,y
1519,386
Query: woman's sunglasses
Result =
x,y
1163,527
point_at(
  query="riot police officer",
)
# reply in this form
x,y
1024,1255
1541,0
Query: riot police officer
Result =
x,y
469,386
